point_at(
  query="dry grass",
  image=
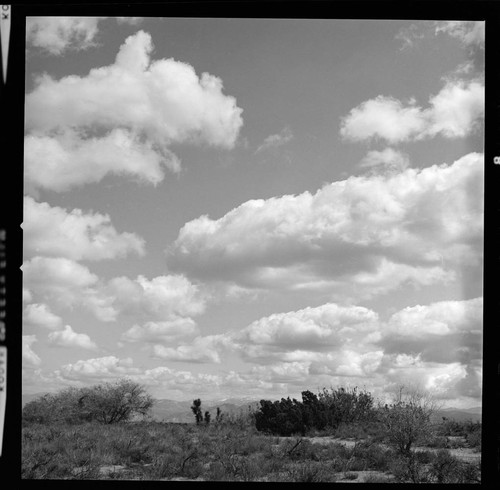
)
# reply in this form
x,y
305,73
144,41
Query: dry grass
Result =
x,y
234,451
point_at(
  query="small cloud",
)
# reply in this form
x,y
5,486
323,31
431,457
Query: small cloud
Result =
x,y
276,140
69,338
133,21
409,36
454,112
39,315
30,359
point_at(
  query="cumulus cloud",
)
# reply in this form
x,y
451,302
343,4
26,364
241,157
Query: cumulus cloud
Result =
x,y
30,359
122,118
365,235
67,283
99,368
69,338
454,112
57,34
162,298
442,332
276,140
39,315
55,232
328,339
67,160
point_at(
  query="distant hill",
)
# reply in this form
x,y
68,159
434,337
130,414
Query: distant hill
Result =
x,y
180,411
460,414
175,411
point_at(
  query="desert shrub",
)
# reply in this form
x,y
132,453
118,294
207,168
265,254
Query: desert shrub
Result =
x,y
407,469
346,405
378,479
407,421
437,441
105,403
309,472
328,409
444,467
474,440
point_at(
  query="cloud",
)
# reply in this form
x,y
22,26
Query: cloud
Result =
x,y
362,236
67,284
161,331
68,160
133,21
469,33
321,328
39,315
69,338
276,140
285,354
199,350
135,106
388,160
55,232
442,332
410,36
99,368
163,297
30,359
57,34
454,112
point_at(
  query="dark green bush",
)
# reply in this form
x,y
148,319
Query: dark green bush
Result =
x,y
328,409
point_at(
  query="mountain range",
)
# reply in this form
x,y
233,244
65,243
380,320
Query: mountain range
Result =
x,y
180,411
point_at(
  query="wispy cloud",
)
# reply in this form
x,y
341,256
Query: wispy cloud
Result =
x,y
276,140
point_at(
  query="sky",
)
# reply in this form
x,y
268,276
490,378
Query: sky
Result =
x,y
252,208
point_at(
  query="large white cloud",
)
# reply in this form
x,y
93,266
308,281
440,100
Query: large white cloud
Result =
x,y
454,112
69,338
364,235
55,232
122,118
